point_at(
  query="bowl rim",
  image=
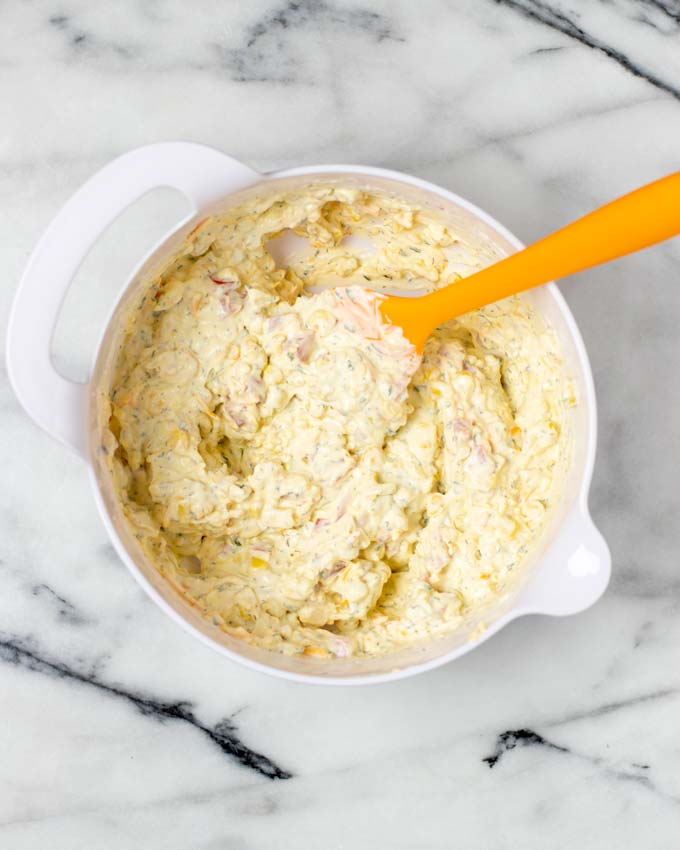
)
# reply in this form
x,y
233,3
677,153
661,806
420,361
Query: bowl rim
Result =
x,y
515,610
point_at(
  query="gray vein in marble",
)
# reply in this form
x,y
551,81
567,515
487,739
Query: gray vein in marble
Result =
x,y
267,56
668,8
561,22
223,734
541,50
80,39
511,739
630,581
643,634
66,610
265,805
610,707
484,141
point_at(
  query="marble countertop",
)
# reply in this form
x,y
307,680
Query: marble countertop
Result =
x,y
121,731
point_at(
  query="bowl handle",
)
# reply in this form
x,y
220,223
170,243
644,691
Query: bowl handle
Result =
x,y
202,174
574,573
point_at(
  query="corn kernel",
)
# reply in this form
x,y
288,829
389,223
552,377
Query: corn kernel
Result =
x,y
258,563
316,651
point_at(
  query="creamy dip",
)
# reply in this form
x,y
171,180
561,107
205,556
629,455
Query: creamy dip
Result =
x,y
288,464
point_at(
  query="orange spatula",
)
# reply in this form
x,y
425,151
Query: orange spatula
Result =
x,y
635,221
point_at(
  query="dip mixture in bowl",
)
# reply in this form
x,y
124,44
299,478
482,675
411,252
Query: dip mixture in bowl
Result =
x,y
286,461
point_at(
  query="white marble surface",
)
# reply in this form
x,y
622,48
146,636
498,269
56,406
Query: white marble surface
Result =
x,y
118,729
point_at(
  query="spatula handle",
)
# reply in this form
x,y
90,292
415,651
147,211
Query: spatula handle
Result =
x,y
642,218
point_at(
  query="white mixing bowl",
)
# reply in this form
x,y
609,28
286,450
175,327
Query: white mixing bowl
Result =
x,y
568,571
